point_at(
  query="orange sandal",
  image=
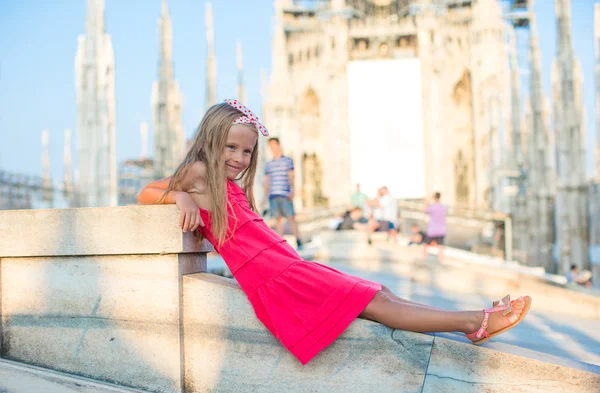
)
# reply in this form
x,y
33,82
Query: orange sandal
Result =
x,y
481,336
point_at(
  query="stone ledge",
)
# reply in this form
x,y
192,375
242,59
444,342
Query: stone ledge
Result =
x,y
114,318
480,276
228,349
467,368
20,378
95,231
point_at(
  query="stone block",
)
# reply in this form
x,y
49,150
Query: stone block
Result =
x,y
228,350
20,378
464,368
95,231
111,318
97,292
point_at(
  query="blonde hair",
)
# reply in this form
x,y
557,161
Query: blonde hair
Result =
x,y
208,146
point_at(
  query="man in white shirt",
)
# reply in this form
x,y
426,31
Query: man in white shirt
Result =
x,y
385,214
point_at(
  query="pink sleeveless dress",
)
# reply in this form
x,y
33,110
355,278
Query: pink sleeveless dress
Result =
x,y
305,305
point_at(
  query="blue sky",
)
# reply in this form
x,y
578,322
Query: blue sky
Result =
x,y
38,42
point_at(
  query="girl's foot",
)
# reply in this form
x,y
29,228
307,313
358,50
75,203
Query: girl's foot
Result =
x,y
497,320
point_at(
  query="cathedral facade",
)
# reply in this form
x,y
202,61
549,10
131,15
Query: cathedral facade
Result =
x,y
462,55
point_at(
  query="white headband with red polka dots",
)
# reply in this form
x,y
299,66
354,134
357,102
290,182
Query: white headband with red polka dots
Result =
x,y
248,118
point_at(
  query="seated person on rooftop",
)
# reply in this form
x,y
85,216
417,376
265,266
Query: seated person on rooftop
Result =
x,y
417,236
353,219
584,278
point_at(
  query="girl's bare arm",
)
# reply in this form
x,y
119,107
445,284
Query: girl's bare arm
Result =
x,y
189,215
193,181
153,192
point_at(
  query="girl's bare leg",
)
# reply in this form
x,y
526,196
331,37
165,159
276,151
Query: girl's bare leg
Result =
x,y
395,297
406,316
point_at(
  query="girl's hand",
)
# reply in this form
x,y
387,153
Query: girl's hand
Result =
x,y
189,214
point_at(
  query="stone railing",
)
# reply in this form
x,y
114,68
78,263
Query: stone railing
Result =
x,y
456,211
97,292
468,228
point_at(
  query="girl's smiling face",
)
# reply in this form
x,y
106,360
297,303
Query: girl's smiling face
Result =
x,y
241,141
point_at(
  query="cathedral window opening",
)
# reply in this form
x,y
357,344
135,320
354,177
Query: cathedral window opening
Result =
x,y
461,183
361,44
312,170
381,12
383,49
487,196
369,9
291,59
332,44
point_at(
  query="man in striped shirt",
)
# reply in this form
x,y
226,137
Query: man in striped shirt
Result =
x,y
279,186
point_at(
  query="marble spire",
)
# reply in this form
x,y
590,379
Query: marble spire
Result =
x,y
166,105
144,138
597,53
47,178
96,127
241,90
68,165
539,175
572,220
211,60
517,162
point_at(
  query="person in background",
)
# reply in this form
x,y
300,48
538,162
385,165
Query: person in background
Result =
x,y
584,278
417,236
279,186
353,219
499,241
358,198
385,214
436,229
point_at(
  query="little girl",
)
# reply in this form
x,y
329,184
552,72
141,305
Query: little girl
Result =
x,y
305,305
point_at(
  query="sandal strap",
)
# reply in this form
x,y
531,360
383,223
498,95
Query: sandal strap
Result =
x,y
507,311
482,330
